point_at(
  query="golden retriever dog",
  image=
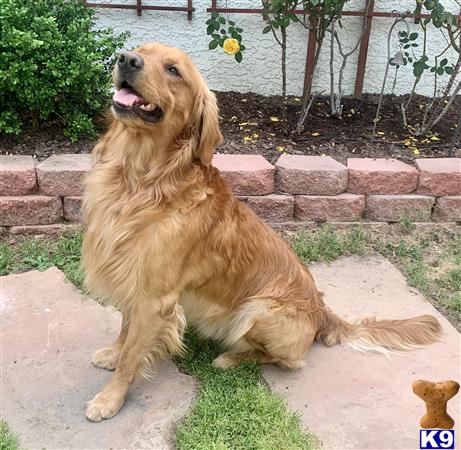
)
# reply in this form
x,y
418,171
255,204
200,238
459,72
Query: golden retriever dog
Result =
x,y
167,241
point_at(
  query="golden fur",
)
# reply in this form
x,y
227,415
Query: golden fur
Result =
x,y
166,240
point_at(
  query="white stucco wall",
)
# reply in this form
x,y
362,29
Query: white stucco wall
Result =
x,y
260,69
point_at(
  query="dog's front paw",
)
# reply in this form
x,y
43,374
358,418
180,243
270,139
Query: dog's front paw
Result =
x,y
103,406
106,358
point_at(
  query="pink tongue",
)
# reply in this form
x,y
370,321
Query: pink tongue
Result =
x,y
127,97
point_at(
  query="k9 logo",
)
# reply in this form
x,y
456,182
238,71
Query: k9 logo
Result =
x,y
429,439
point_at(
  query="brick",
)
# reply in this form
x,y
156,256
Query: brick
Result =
x,y
448,209
439,176
380,176
72,209
393,208
62,175
342,207
17,175
30,210
55,229
273,208
310,175
247,174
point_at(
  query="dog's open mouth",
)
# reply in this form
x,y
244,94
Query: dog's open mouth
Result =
x,y
127,101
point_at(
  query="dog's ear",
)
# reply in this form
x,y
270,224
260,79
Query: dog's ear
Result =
x,y
206,133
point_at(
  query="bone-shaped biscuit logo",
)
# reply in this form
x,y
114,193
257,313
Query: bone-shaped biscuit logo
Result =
x,y
436,396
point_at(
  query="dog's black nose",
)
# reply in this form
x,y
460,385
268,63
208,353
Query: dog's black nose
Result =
x,y
130,62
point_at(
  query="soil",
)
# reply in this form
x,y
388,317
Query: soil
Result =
x,y
254,124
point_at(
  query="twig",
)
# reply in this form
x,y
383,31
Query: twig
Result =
x,y
306,111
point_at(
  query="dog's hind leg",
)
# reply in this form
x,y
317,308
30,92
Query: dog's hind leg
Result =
x,y
231,359
107,357
271,336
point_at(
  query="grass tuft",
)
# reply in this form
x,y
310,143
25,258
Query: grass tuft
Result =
x,y
32,253
8,441
327,245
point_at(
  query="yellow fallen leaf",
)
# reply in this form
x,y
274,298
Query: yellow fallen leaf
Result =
x,y
315,133
252,124
247,138
415,150
381,133
272,134
434,138
243,124
296,99
256,135
281,148
244,100
275,119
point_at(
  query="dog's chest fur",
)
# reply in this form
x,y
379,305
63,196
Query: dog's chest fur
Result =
x,y
127,242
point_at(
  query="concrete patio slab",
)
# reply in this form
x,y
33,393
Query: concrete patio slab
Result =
x,y
354,400
49,332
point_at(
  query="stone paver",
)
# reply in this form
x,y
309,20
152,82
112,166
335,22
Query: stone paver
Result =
x,y
354,400
393,208
72,209
380,176
272,208
30,210
247,174
439,176
342,207
63,174
17,175
448,208
49,333
310,175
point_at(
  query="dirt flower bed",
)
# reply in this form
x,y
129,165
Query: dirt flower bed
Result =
x,y
254,124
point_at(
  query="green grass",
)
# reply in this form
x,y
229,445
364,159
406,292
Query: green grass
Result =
x,y
29,253
234,409
8,441
326,244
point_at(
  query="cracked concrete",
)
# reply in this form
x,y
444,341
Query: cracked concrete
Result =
x,y
49,332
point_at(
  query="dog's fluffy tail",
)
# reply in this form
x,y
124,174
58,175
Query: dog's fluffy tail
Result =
x,y
383,336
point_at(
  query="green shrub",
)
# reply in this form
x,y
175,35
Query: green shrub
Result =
x,y
53,64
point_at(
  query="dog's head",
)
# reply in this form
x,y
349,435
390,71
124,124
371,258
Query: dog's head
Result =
x,y
158,89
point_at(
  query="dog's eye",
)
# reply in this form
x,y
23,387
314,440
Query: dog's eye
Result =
x,y
173,70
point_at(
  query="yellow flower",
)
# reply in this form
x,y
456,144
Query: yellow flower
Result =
x,y
231,46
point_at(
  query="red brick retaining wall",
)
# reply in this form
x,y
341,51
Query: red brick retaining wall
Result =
x,y
45,198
